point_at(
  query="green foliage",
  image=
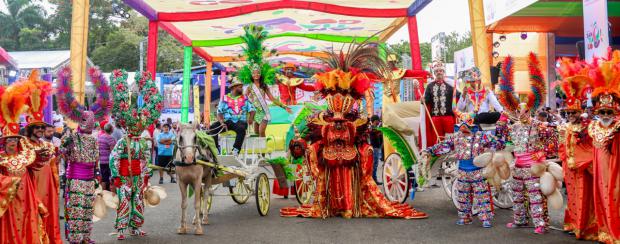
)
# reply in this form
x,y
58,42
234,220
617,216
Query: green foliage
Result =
x,y
22,15
113,37
453,42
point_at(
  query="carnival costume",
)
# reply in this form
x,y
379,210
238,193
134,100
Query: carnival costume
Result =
x,y
438,99
21,211
254,37
288,85
43,173
477,99
135,108
528,144
471,185
605,79
82,153
338,155
576,153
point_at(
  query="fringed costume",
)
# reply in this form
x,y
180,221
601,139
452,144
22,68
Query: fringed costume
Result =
x,y
131,155
338,155
81,151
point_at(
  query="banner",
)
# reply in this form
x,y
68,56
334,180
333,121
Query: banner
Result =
x,y
464,60
173,95
437,46
595,26
495,10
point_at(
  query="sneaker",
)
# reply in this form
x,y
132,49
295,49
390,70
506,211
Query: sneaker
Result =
x,y
513,225
540,230
121,236
173,180
463,222
486,224
138,232
161,181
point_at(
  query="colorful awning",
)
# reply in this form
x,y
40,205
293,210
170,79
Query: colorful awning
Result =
x,y
298,29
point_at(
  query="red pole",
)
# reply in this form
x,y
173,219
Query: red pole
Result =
x,y
414,43
151,53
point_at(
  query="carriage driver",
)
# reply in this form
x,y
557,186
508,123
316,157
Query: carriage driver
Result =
x,y
232,114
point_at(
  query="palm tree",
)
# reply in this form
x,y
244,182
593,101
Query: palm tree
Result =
x,y
21,14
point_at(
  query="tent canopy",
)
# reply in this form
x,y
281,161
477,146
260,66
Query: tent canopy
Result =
x,y
562,17
300,30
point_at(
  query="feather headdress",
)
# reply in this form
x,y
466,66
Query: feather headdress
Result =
x,y
37,91
538,89
254,50
574,81
605,76
13,101
68,104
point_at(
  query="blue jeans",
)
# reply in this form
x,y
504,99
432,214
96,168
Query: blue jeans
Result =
x,y
377,156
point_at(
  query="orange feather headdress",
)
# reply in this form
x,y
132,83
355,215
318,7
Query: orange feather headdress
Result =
x,y
605,76
574,81
37,91
13,103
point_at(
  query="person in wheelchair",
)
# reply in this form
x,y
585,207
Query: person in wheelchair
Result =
x,y
234,112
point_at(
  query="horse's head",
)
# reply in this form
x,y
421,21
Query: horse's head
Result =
x,y
186,142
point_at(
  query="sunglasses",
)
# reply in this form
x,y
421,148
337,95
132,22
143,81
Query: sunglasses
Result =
x,y
571,113
38,127
606,112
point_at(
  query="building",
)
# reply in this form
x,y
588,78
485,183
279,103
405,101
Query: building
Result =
x,y
46,61
8,68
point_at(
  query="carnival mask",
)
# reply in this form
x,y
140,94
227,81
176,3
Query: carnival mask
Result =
x,y
87,124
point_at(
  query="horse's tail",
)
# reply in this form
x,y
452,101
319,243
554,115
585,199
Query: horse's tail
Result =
x,y
190,191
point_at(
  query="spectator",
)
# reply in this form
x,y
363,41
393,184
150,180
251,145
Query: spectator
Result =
x,y
118,132
48,136
106,144
165,149
169,121
376,141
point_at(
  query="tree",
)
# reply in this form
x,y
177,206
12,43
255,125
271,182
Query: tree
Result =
x,y
23,15
453,42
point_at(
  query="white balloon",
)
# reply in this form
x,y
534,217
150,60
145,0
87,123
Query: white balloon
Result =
x,y
547,184
555,200
483,160
556,170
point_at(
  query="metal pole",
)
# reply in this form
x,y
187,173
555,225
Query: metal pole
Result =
x,y
142,55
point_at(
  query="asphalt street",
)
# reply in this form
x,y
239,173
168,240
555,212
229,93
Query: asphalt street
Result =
x,y
232,223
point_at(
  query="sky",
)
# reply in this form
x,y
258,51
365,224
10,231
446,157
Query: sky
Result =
x,y
438,16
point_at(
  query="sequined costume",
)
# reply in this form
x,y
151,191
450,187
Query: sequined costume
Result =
x,y
130,174
527,138
21,210
576,154
338,155
82,155
471,185
528,150
21,220
42,170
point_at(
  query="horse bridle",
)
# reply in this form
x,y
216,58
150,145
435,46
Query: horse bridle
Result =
x,y
181,149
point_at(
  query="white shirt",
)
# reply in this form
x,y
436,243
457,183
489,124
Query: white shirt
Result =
x,y
465,105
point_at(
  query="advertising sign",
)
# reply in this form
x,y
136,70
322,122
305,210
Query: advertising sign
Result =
x,y
464,59
595,26
495,10
172,98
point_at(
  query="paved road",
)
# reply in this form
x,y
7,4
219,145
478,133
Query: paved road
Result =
x,y
231,223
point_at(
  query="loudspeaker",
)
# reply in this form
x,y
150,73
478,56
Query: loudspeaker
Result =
x,y
581,49
495,74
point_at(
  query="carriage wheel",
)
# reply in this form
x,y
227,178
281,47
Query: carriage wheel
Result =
x,y
263,194
502,198
240,193
395,179
448,175
304,186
